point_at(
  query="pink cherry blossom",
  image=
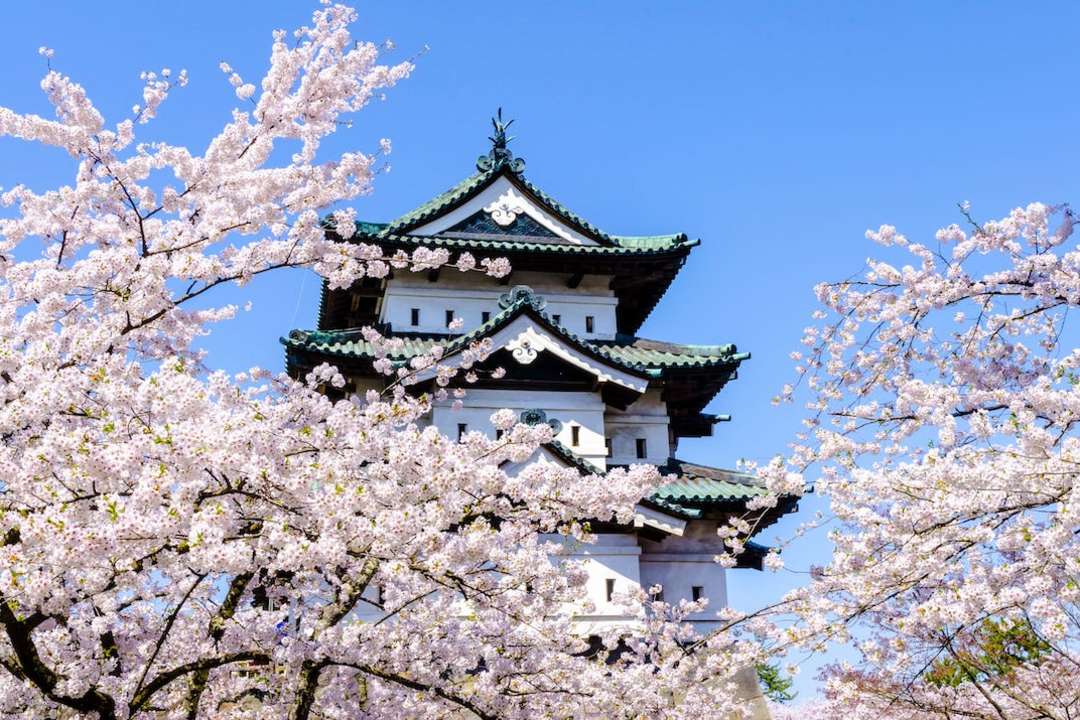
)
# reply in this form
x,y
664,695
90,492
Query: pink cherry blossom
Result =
x,y
179,543
943,392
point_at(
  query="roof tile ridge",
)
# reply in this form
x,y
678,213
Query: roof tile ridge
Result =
x,y
566,213
437,203
731,476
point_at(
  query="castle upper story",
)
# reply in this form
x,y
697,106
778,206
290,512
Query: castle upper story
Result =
x,y
563,327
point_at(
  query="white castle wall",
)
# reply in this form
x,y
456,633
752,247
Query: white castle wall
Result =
x,y
570,408
469,295
680,563
614,557
647,418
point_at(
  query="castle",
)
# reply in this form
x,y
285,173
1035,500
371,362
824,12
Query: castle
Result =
x,y
563,326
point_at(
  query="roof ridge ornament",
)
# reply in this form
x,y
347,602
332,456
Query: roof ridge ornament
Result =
x,y
500,156
522,294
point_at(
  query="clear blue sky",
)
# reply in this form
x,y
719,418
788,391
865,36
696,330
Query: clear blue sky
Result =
x,y
776,132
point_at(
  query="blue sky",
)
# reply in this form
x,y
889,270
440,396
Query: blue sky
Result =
x,y
775,132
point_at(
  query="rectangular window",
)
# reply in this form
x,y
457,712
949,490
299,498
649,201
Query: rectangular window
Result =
x,y
414,316
607,445
485,316
462,428
498,433
589,323
575,435
449,317
557,319
642,449
609,589
697,592
658,596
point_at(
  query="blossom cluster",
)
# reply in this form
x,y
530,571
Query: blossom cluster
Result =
x,y
182,543
942,393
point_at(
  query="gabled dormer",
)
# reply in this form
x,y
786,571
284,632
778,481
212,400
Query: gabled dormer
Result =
x,y
494,213
498,204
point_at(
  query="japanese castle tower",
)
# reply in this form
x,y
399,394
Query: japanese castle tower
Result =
x,y
563,326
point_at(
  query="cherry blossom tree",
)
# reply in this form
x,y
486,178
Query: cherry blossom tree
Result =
x,y
943,392
181,543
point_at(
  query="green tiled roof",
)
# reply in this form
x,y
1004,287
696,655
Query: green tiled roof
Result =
x,y
699,485
438,203
643,356
698,489
349,343
632,350
652,242
398,229
622,245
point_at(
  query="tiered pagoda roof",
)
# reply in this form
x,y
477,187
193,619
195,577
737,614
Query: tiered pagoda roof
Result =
x,y
641,267
699,491
550,238
690,375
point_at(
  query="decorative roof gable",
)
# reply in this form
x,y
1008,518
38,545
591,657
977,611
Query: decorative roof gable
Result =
x,y
488,225
646,358
498,202
503,198
498,213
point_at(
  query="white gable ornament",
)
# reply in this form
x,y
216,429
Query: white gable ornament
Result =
x,y
506,208
522,349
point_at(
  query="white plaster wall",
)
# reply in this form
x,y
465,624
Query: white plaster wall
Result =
x,y
676,563
469,295
571,408
679,563
613,556
646,418
543,283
